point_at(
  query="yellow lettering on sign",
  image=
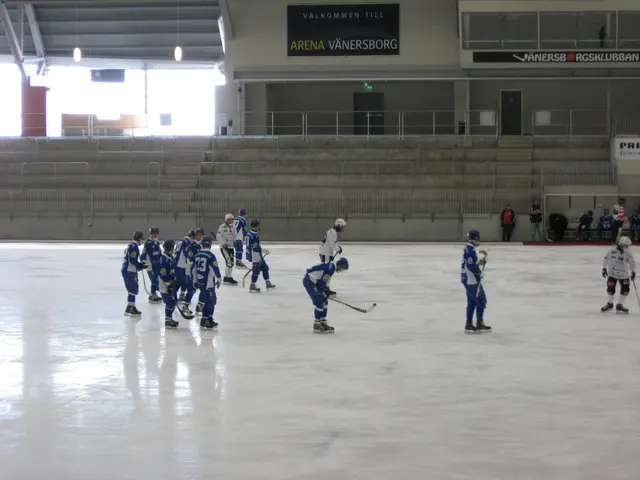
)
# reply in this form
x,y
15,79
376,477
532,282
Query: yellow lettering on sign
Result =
x,y
307,45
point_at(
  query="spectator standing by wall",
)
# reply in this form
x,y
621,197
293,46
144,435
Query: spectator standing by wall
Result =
x,y
508,223
558,224
584,227
535,217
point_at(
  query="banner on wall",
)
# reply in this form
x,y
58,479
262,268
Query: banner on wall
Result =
x,y
557,57
626,148
343,30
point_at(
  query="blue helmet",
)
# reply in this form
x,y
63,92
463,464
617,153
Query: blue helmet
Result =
x,y
199,231
255,224
168,246
138,236
154,230
206,242
473,236
242,212
342,264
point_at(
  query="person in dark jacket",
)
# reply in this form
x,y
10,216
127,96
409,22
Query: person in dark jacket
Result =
x,y
605,224
634,223
583,232
558,224
535,217
508,223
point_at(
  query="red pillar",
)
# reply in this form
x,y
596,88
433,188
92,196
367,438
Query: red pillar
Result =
x,y
34,111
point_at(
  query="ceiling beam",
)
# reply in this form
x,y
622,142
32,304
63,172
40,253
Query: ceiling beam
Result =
x,y
36,36
225,12
20,22
12,40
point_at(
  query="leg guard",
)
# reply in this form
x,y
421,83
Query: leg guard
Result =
x,y
131,284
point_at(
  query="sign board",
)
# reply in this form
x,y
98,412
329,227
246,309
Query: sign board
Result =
x,y
626,148
107,76
343,30
556,57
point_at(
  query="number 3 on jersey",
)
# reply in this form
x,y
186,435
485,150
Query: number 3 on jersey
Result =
x,y
201,264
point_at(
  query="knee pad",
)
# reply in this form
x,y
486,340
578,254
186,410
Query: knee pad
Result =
x,y
625,287
611,286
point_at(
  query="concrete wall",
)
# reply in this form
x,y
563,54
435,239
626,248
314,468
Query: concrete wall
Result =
x,y
365,230
545,5
428,40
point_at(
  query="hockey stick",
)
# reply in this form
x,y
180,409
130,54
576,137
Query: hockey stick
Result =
x,y
144,282
636,290
361,310
244,279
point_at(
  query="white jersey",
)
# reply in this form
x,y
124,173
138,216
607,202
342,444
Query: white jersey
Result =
x,y
329,245
226,235
618,213
619,264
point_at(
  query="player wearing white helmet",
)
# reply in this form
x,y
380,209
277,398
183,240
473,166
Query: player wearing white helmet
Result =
x,y
619,266
227,238
329,247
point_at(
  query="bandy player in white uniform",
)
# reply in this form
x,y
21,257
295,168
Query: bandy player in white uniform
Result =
x,y
619,266
329,247
226,238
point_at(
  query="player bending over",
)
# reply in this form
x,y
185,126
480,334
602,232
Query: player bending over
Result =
x,y
151,254
617,264
257,254
316,283
130,267
240,224
226,237
208,278
167,284
472,280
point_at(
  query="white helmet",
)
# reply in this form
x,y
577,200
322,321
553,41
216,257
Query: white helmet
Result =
x,y
624,242
228,217
339,224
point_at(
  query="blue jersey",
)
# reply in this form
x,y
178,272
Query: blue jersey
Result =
x,y
131,261
207,271
321,274
605,222
470,271
240,224
151,252
166,272
182,256
192,251
254,250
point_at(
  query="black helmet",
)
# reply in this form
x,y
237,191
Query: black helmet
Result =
x,y
138,236
168,246
255,224
154,230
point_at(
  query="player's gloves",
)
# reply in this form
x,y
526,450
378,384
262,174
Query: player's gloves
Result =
x,y
218,283
325,294
144,266
604,273
265,252
633,276
339,250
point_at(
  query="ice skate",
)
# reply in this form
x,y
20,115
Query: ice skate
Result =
x,y
199,307
270,286
322,327
607,307
231,281
621,309
208,323
469,328
170,323
132,311
154,298
253,288
482,328
186,310
181,298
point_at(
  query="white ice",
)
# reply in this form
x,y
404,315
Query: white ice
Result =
x,y
400,393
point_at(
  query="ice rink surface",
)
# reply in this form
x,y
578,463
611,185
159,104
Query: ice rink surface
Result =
x,y
400,393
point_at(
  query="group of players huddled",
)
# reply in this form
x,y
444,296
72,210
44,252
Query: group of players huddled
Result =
x,y
178,273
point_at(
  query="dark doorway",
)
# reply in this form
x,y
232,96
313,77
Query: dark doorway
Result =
x,y
368,113
511,112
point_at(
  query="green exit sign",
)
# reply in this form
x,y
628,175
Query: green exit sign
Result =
x,y
368,86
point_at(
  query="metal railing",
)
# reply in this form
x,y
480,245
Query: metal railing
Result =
x,y
55,168
158,174
588,173
570,123
357,202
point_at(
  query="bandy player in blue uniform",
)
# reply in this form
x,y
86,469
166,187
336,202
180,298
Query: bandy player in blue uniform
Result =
x,y
471,277
130,268
240,224
256,255
151,254
167,283
208,278
316,283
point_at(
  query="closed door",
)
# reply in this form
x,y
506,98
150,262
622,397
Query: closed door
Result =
x,y
511,112
368,113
